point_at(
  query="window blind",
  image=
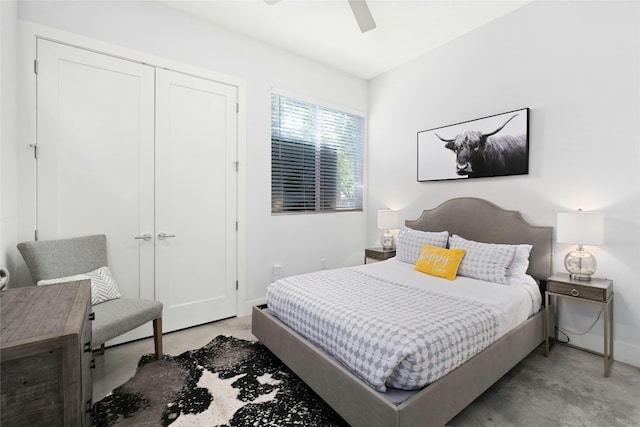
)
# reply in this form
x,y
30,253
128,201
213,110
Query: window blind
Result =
x,y
316,157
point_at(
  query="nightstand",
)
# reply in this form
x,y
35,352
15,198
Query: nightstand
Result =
x,y
378,254
595,291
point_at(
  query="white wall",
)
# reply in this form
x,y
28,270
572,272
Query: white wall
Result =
x,y
576,66
297,242
8,136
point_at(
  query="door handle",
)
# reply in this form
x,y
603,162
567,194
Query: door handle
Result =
x,y
162,235
146,237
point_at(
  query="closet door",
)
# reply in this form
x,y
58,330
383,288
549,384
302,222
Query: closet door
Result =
x,y
196,144
95,124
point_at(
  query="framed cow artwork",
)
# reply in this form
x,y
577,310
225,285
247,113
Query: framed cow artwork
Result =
x,y
496,145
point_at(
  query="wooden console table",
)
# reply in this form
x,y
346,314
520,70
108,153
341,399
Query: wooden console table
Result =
x,y
45,354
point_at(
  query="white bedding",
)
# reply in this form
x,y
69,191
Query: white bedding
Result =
x,y
514,303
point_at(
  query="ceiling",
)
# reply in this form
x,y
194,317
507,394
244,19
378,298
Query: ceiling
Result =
x,y
326,30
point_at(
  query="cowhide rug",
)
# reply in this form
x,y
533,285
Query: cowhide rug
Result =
x,y
228,382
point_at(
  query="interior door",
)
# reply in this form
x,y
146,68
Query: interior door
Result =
x,y
95,125
196,144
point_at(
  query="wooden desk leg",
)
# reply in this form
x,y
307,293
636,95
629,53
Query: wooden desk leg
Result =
x,y
546,324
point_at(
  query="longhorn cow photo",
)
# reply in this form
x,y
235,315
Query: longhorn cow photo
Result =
x,y
491,146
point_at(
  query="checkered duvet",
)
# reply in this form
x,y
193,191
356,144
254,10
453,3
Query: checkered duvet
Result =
x,y
388,334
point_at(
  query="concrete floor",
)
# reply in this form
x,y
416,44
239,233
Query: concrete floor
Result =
x,y
566,389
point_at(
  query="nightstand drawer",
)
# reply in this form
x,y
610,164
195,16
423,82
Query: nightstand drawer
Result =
x,y
596,289
576,291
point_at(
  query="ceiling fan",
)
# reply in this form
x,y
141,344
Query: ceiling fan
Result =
x,y
362,14
360,11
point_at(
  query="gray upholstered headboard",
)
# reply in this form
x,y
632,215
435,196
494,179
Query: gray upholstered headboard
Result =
x,y
482,221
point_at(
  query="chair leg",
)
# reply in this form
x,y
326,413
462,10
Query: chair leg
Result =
x,y
157,337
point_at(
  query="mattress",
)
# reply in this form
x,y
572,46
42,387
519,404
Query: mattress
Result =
x,y
395,327
515,304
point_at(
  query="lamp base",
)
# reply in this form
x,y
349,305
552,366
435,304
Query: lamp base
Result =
x,y
387,241
579,277
580,264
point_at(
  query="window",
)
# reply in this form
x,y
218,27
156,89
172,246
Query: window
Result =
x,y
316,157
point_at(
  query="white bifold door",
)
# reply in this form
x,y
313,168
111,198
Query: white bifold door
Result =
x,y
146,156
195,199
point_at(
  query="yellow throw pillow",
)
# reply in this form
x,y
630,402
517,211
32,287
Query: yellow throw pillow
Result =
x,y
439,261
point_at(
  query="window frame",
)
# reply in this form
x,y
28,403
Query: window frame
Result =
x,y
355,153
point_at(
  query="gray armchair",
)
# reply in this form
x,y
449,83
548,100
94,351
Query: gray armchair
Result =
x,y
52,259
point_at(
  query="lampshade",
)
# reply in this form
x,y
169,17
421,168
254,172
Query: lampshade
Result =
x,y
580,228
388,219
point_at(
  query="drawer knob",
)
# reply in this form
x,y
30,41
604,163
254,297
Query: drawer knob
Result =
x,y
575,292
92,316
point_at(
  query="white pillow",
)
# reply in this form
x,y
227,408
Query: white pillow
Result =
x,y
484,261
520,262
103,285
524,279
410,243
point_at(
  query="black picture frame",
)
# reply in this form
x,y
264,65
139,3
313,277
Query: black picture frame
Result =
x,y
491,146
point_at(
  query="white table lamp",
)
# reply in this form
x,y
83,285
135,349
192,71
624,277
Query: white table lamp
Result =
x,y
581,228
387,220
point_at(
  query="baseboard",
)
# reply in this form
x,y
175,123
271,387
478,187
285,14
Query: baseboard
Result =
x,y
248,306
626,353
622,351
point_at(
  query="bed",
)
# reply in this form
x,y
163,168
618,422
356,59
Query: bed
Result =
x,y
434,405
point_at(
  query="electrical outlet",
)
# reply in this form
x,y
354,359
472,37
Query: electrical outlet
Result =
x,y
323,263
276,272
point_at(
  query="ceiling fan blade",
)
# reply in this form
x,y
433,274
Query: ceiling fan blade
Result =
x,y
363,15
